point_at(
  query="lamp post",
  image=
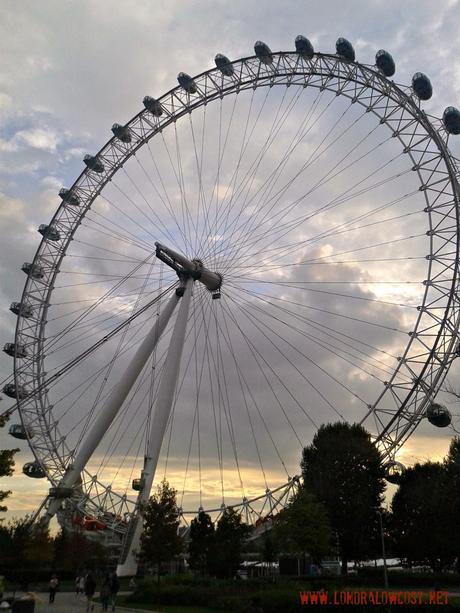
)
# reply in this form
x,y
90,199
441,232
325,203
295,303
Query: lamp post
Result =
x,y
382,537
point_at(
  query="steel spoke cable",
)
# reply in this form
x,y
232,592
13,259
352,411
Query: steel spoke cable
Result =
x,y
217,359
256,355
201,197
214,375
334,349
246,139
168,207
124,256
72,363
95,304
342,228
119,347
124,235
122,415
308,358
363,248
331,332
242,378
271,138
266,147
250,222
334,314
111,235
187,244
187,218
280,380
158,223
336,201
300,285
337,229
275,128
287,226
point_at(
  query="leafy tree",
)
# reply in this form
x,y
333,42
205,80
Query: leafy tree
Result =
x,y
421,510
25,550
343,469
201,542
304,527
229,539
6,470
160,540
73,550
452,467
270,546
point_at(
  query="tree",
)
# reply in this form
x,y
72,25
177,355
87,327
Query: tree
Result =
x,y
73,550
6,470
229,539
304,528
452,467
160,540
343,469
421,524
201,542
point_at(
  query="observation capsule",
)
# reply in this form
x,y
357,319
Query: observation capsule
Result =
x,y
394,472
438,415
18,393
123,133
451,120
187,83
24,309
12,349
421,85
34,470
33,270
18,431
93,163
69,197
385,63
153,106
345,49
137,484
263,52
223,64
49,232
304,47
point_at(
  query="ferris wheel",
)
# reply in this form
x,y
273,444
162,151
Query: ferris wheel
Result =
x,y
271,245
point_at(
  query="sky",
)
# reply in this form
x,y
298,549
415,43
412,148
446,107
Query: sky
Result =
x,y
68,71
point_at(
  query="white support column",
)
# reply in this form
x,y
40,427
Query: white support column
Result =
x,y
163,405
114,402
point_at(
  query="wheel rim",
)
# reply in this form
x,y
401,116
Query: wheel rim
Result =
x,y
425,144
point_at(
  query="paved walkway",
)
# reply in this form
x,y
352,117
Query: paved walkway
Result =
x,y
67,602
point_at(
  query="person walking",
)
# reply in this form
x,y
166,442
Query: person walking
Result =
x,y
90,588
105,593
52,588
114,587
82,584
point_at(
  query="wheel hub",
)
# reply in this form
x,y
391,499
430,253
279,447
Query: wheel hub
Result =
x,y
191,268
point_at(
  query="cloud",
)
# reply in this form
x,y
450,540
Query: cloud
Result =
x,y
38,139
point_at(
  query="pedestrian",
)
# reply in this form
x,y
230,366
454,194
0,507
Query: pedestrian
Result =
x,y
90,588
114,587
132,583
52,588
82,584
77,584
105,593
